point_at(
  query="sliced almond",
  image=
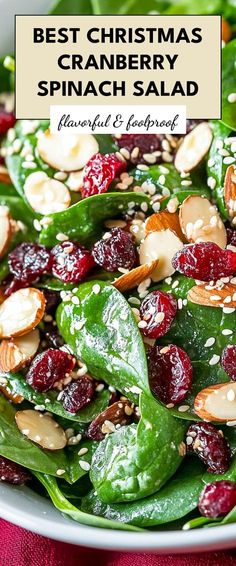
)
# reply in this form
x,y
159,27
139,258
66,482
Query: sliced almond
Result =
x,y
14,397
46,195
119,413
5,229
21,312
135,276
230,191
75,181
200,221
162,246
224,297
67,152
16,352
41,428
194,147
226,31
217,402
162,221
4,175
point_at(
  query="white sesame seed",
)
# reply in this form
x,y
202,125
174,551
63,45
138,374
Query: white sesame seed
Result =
x,y
75,300
231,423
142,324
142,167
37,225
82,451
159,317
229,160
211,182
209,342
96,289
82,370
144,206
230,395
183,408
61,237
28,165
227,332
214,360
232,97
60,176
60,472
228,310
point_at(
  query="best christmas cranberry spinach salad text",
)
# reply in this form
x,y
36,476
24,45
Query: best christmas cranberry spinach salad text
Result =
x,y
117,310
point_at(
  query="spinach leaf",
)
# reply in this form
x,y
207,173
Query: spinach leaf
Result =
x,y
63,505
71,7
137,461
5,78
17,384
7,190
53,284
217,167
106,7
173,181
15,446
83,221
74,459
19,211
103,332
175,500
4,270
228,83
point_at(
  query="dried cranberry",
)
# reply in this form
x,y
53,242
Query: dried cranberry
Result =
x,y
117,250
71,262
29,261
52,299
12,472
78,394
145,144
217,498
99,172
117,414
170,373
48,367
7,120
210,445
158,309
205,261
228,360
231,236
51,335
15,285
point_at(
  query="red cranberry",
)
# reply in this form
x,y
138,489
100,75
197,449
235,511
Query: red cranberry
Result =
x,y
205,261
78,394
210,445
158,309
217,499
231,236
15,285
52,299
12,472
51,336
228,360
29,261
48,367
99,172
170,373
147,143
117,250
71,262
7,121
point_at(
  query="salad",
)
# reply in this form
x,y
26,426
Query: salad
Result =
x,y
117,312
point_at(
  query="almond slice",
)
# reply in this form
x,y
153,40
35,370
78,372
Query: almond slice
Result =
x,y
75,181
194,147
41,428
46,195
160,245
230,190
200,221
226,31
217,402
14,397
224,297
4,175
66,152
21,312
135,276
16,352
162,221
5,229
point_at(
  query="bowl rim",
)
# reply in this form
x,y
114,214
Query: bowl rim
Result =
x,y
69,531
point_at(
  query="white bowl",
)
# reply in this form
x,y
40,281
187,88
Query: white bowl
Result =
x,y
23,507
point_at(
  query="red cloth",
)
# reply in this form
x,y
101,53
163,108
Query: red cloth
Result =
x,y
22,548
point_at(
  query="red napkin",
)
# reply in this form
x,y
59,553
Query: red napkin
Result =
x,y
22,548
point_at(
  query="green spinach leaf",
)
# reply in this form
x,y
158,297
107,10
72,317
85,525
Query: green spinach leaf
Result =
x,y
103,332
83,222
137,461
63,505
175,500
217,167
228,83
17,384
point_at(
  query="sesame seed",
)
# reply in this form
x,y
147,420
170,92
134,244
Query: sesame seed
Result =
x,y
162,179
125,153
229,160
186,183
75,300
37,225
230,395
96,289
159,317
60,472
227,332
209,342
214,360
28,165
149,158
61,237
99,387
82,451
228,310
134,300
142,167
231,423
183,408
82,371
142,324
211,182
232,97
144,206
